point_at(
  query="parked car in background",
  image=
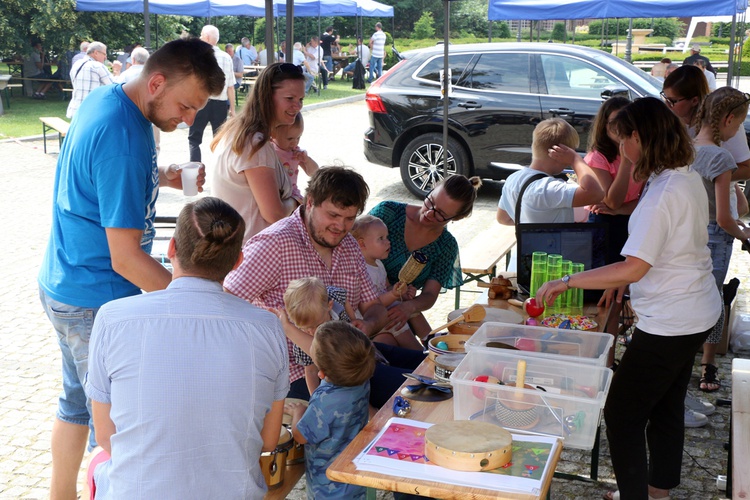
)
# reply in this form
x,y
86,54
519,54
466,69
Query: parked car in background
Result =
x,y
500,92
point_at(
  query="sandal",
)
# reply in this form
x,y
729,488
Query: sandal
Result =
x,y
709,381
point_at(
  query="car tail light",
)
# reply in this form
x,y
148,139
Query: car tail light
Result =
x,y
372,97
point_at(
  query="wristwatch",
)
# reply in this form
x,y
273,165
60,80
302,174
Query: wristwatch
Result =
x,y
566,279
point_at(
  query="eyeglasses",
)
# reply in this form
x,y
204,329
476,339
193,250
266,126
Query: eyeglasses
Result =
x,y
670,101
439,216
745,101
289,68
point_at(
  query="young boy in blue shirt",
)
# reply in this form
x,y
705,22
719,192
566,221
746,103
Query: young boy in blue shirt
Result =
x,y
338,408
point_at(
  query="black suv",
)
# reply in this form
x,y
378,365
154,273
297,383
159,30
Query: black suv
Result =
x,y
500,92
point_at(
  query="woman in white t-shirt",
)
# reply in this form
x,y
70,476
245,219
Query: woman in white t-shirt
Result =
x,y
668,267
248,175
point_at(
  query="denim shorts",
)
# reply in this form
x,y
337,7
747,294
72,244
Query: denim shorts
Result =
x,y
720,243
73,327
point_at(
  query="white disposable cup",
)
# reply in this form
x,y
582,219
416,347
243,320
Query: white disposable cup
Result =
x,y
189,174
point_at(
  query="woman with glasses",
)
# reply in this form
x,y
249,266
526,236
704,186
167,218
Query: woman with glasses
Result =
x,y
423,227
248,175
685,90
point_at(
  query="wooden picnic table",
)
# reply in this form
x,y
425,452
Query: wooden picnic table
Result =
x,y
344,470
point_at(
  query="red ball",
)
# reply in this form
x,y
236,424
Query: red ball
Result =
x,y
533,308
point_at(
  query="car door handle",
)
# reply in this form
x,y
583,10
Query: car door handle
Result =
x,y
562,112
470,105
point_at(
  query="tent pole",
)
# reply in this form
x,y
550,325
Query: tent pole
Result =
x,y
446,80
146,21
518,31
270,47
731,49
489,31
289,26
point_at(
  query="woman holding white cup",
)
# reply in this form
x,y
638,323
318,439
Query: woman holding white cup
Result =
x,y
248,175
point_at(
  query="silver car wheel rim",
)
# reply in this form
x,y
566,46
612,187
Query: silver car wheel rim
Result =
x,y
426,166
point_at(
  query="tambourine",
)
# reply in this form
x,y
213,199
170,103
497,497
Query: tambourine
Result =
x,y
468,445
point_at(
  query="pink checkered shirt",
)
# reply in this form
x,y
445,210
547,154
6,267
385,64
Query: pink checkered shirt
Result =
x,y
284,252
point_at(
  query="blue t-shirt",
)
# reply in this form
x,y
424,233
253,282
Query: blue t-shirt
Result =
x,y
443,263
106,177
333,418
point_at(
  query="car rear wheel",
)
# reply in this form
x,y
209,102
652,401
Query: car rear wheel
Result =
x,y
422,165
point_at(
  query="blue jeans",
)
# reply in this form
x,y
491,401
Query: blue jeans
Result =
x,y
376,65
309,79
73,326
720,243
328,62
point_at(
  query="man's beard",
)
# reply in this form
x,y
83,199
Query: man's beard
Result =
x,y
152,114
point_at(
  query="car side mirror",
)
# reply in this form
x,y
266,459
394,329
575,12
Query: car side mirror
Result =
x,y
615,92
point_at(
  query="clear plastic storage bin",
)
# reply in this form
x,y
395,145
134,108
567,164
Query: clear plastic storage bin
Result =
x,y
588,347
560,398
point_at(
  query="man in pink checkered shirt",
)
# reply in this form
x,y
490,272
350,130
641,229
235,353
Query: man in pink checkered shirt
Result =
x,y
313,241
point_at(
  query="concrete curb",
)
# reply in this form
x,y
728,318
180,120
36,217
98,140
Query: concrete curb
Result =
x,y
311,107
334,102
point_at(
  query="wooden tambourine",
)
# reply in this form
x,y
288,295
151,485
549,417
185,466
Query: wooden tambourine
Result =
x,y
494,315
445,365
468,445
455,343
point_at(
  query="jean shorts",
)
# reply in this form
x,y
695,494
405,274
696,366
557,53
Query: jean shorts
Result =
x,y
720,243
73,326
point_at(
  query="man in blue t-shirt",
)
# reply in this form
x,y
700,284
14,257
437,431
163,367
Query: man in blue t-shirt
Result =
x,y
105,191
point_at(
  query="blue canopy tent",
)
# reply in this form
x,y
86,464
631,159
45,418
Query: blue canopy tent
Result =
x,y
536,10
250,8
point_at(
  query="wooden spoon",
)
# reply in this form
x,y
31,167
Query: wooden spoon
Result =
x,y
475,313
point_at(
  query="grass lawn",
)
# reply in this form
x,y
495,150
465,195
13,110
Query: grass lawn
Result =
x,y
22,119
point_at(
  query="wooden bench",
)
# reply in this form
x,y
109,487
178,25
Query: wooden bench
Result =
x,y
739,486
481,256
54,123
8,91
28,82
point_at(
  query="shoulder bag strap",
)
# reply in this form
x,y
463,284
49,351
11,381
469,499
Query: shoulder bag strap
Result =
x,y
526,184
79,69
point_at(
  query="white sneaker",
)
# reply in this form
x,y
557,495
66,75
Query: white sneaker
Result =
x,y
694,419
695,404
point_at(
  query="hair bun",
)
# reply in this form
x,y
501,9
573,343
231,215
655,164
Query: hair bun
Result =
x,y
476,182
217,224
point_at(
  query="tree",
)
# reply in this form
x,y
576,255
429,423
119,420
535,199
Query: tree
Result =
x,y
424,28
558,32
61,28
503,30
